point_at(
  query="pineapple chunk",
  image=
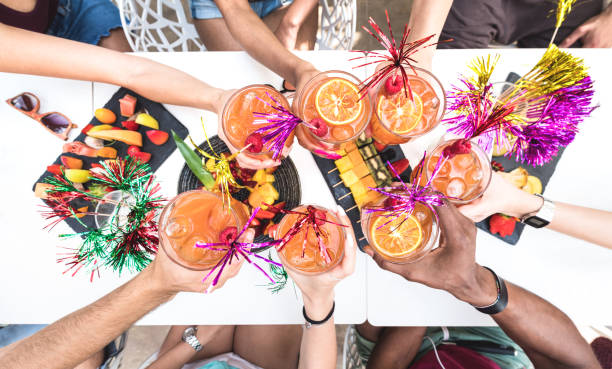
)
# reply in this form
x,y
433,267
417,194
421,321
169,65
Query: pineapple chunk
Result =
x,y
260,176
361,170
349,178
344,164
358,189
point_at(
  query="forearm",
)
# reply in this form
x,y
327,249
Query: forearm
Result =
x,y
427,17
548,336
318,349
74,60
72,339
587,224
246,27
174,358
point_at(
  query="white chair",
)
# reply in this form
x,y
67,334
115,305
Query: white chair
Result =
x,y
350,355
162,25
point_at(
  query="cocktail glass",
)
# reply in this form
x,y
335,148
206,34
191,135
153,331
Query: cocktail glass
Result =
x,y
311,262
197,216
397,118
404,239
238,121
331,100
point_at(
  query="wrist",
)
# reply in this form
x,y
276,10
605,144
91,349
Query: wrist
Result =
x,y
318,308
524,203
301,69
479,290
156,287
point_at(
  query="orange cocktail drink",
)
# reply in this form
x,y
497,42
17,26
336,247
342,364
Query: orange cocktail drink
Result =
x,y
462,177
198,216
332,108
302,252
404,238
397,117
238,121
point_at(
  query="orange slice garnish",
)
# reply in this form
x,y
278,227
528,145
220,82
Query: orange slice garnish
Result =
x,y
398,237
337,102
400,113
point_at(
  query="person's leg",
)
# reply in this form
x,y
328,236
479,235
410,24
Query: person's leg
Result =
x,y
115,41
308,32
472,24
211,27
269,346
396,347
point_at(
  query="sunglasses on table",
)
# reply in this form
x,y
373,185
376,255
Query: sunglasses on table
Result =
x,y
56,123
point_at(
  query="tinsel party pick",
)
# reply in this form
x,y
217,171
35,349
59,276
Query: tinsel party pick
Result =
x,y
397,58
234,250
128,239
564,7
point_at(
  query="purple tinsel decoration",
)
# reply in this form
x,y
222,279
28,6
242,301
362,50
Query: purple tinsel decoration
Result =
x,y
555,123
404,197
278,126
235,249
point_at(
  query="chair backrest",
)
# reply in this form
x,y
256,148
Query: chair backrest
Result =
x,y
158,25
350,355
162,25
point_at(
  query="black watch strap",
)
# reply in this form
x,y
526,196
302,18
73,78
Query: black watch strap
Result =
x,y
502,297
310,322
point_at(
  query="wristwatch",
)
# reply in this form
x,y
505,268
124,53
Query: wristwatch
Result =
x,y
190,338
543,216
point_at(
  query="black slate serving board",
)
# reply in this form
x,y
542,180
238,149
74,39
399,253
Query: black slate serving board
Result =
x,y
159,154
287,183
342,194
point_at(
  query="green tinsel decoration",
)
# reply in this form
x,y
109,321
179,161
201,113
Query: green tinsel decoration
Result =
x,y
119,245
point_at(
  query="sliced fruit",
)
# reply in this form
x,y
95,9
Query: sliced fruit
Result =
x,y
128,137
40,190
502,225
55,169
344,164
157,137
518,177
533,185
81,211
127,105
107,152
397,238
400,166
145,119
77,175
399,113
100,127
93,142
87,128
337,102
105,116
71,163
130,125
349,178
264,214
135,153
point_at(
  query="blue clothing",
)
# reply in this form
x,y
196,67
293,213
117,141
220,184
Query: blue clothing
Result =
x,y
207,9
218,365
85,20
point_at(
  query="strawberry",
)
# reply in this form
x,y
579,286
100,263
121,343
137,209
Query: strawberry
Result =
x,y
135,153
400,166
130,125
264,214
394,84
319,215
319,127
277,207
97,165
391,201
157,137
228,234
380,147
256,141
86,128
458,147
502,225
55,169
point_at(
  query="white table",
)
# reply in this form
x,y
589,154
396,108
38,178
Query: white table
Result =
x,y
39,292
574,275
